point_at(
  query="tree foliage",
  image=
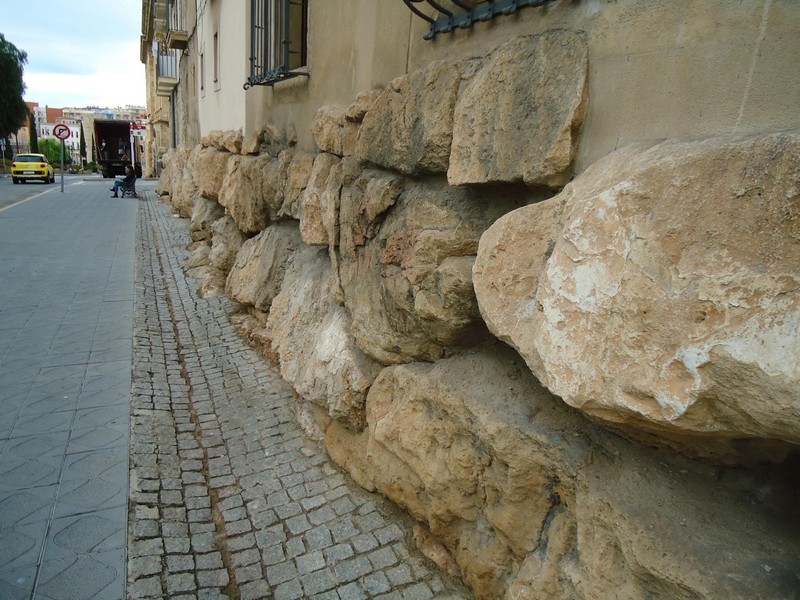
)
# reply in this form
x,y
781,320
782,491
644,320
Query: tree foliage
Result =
x,y
83,145
51,148
33,134
13,110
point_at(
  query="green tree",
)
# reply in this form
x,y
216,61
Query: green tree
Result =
x,y
13,110
51,148
83,147
34,135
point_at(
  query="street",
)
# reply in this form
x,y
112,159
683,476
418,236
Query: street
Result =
x,y
11,193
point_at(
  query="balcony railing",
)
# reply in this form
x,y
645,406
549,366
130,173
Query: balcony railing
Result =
x,y
462,14
177,34
167,63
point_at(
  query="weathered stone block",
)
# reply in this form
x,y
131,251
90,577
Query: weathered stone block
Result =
x,y
257,274
410,126
517,118
312,335
666,306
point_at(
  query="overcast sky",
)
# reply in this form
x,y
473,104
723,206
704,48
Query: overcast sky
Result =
x,y
80,53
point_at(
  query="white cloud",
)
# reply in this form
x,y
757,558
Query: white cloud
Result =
x,y
82,54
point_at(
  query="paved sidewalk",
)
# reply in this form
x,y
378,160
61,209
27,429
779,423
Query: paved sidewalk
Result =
x,y
228,498
66,310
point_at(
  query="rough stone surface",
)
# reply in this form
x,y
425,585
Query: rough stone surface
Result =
x,y
532,500
363,103
257,274
226,241
182,188
240,193
328,129
410,126
362,206
209,166
204,213
667,305
297,178
518,117
315,196
394,273
232,141
312,335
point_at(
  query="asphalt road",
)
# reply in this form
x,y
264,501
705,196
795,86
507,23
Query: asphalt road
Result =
x,y
11,194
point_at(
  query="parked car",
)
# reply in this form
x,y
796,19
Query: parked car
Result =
x,y
32,166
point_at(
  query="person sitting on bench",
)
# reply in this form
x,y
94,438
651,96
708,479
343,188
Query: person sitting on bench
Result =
x,y
127,181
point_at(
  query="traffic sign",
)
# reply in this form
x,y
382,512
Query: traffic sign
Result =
x,y
61,131
138,129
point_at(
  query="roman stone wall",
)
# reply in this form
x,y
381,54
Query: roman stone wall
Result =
x,y
581,385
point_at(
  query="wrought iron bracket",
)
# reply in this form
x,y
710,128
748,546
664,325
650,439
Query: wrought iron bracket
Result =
x,y
270,78
448,20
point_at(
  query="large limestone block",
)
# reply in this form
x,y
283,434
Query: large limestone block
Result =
x,y
252,191
257,274
363,203
182,185
535,501
401,271
518,117
409,128
169,180
668,304
328,128
208,166
312,335
226,241
204,213
297,178
322,188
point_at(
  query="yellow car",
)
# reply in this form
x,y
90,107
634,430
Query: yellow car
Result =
x,y
32,166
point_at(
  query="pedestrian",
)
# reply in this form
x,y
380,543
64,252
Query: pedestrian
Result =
x,y
129,178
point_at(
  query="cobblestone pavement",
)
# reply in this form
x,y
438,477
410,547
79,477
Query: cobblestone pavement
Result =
x,y
229,499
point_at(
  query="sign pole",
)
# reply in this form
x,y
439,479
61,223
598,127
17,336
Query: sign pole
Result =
x,y
62,132
133,151
62,166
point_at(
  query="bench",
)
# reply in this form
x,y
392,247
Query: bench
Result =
x,y
128,190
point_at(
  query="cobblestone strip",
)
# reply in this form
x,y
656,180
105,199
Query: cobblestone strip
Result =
x,y
228,497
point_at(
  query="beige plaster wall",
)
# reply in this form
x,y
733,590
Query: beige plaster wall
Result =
x,y
221,104
658,68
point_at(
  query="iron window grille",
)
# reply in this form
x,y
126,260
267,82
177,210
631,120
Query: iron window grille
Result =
x,y
473,12
278,30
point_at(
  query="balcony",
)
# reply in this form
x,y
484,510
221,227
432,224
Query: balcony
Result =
x,y
177,39
177,36
167,71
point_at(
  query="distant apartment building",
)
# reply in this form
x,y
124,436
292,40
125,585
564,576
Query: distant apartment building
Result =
x,y
45,118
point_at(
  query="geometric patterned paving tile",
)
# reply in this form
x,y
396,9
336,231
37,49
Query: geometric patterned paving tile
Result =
x,y
85,534
32,424
108,464
114,417
20,545
105,395
39,403
86,577
16,474
36,446
97,438
26,506
81,495
17,584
